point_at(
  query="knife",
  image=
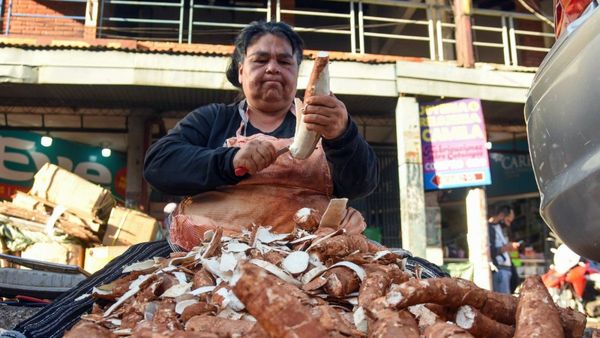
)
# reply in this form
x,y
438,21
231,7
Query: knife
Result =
x,y
241,171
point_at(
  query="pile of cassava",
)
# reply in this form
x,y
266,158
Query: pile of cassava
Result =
x,y
314,282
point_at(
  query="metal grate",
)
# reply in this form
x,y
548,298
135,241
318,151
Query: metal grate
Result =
x,y
381,209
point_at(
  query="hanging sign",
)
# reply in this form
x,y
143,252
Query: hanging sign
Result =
x,y
453,144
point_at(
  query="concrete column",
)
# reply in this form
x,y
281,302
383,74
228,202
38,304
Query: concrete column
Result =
x,y
410,173
477,237
433,220
91,19
464,38
135,160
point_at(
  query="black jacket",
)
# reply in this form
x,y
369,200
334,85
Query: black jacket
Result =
x,y
191,158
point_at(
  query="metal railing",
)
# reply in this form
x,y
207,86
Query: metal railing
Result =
x,y
158,28
403,28
370,24
10,14
515,33
328,29
501,35
265,12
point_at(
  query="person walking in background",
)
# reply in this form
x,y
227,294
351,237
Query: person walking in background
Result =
x,y
500,248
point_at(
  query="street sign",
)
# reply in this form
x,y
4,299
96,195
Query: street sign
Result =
x,y
453,141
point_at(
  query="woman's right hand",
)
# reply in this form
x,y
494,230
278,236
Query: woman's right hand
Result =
x,y
255,156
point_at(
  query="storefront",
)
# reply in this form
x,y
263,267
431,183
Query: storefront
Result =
x,y
513,184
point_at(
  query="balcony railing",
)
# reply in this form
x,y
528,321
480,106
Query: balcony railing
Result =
x,y
121,18
403,28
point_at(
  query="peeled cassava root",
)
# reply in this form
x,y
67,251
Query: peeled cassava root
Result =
x,y
305,141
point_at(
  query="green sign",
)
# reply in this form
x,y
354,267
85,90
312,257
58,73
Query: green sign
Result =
x,y
511,168
22,155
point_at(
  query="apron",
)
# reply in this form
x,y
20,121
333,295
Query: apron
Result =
x,y
270,197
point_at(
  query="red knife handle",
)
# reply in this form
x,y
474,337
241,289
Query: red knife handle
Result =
x,y
241,171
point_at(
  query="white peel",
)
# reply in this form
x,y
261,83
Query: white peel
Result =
x,y
180,306
176,290
273,269
313,273
235,246
360,272
228,262
202,290
139,266
181,277
360,319
266,236
334,214
303,239
134,288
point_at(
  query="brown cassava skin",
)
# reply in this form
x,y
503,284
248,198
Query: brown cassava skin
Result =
x,y
222,327
200,308
482,326
573,322
341,246
445,330
266,300
273,257
319,64
393,270
165,315
452,292
334,321
309,223
443,312
537,315
455,292
378,280
257,332
214,247
425,317
391,323
202,278
145,330
118,286
89,330
341,281
374,286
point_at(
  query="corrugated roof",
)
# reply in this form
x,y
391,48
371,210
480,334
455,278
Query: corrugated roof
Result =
x,y
41,42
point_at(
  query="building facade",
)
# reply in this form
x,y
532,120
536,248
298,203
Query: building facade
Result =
x,y
118,74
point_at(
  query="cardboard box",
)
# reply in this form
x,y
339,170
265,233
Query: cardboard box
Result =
x,y
128,226
62,253
26,201
61,187
97,258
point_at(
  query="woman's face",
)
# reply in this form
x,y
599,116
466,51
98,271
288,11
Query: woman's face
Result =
x,y
269,74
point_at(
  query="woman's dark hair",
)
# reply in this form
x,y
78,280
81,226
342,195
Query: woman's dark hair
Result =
x,y
253,31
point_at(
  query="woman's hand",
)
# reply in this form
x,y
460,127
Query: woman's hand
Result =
x,y
255,156
326,115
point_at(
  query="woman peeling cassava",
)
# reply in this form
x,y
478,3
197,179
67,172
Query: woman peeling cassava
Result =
x,y
199,157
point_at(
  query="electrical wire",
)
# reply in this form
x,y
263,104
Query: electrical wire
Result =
x,y
538,14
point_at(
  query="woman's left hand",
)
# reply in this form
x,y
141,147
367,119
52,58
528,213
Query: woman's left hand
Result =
x,y
326,115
